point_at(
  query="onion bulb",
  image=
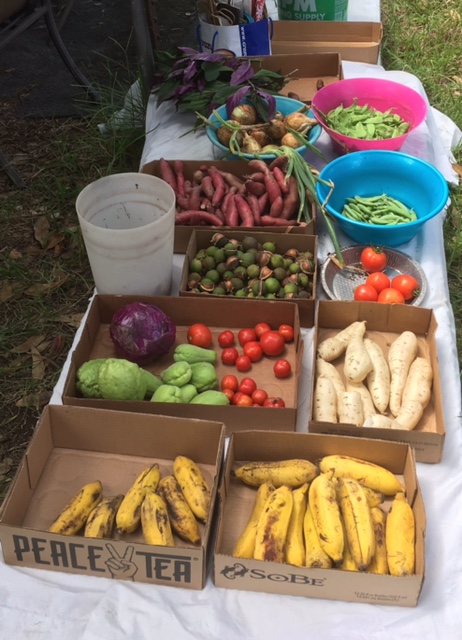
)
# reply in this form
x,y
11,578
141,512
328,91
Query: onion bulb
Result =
x,y
244,114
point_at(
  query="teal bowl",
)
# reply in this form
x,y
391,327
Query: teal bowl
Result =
x,y
285,106
414,182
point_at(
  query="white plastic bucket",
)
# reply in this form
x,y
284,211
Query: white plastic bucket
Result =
x,y
128,222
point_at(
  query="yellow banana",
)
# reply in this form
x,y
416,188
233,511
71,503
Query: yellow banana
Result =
x,y
374,498
100,523
245,545
358,522
366,473
400,537
315,556
128,517
294,550
292,473
155,522
193,486
326,515
348,563
75,514
273,525
379,563
182,519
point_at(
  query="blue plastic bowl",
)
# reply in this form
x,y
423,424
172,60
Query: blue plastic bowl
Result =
x,y
412,181
285,106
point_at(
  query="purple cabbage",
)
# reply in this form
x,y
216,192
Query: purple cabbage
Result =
x,y
142,332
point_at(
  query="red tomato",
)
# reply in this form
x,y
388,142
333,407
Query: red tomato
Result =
x,y
272,343
274,401
246,335
247,385
229,393
253,350
379,280
243,363
242,400
407,285
391,296
199,335
226,339
373,259
366,292
259,396
282,368
287,332
229,355
261,327
229,382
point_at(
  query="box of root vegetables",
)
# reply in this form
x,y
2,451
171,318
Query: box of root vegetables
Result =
x,y
376,375
289,508
93,486
228,195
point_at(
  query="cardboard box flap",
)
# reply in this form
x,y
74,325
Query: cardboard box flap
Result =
x,y
327,32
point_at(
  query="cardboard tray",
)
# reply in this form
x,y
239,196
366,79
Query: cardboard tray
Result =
x,y
234,314
239,168
201,240
357,41
384,324
236,503
72,446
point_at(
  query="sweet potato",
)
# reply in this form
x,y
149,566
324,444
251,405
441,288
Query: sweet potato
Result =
x,y
418,383
325,401
333,347
328,370
378,380
366,400
351,408
357,360
401,354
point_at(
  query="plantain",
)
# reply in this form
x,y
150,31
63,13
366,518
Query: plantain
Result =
x,y
315,556
75,514
366,473
128,517
292,473
358,522
326,515
294,550
193,486
182,519
101,521
400,537
273,525
379,563
245,545
155,522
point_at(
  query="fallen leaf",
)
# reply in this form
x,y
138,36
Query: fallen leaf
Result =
x,y
38,365
457,79
54,240
42,230
57,346
72,320
34,400
15,254
28,345
455,15
6,292
59,278
457,168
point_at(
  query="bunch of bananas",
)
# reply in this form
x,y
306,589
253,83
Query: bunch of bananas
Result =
x,y
329,515
162,506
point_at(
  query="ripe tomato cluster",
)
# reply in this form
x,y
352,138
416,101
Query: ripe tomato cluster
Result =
x,y
378,287
246,393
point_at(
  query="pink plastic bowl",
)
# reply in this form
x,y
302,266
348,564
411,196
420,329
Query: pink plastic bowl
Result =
x,y
378,94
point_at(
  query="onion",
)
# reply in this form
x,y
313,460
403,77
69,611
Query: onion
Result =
x,y
142,332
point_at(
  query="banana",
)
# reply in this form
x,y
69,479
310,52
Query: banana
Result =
x,y
294,550
245,544
273,525
358,522
326,515
155,522
75,514
371,475
128,517
379,563
292,473
193,486
348,563
182,519
400,537
100,523
374,498
315,556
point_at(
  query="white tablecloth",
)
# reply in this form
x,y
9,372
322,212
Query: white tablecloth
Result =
x,y
39,604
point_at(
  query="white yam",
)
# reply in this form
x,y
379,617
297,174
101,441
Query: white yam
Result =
x,y
409,415
378,380
328,370
401,355
357,360
366,400
333,347
324,401
378,421
418,383
351,408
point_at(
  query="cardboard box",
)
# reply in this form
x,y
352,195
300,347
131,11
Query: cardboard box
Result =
x,y
234,314
237,499
201,239
238,168
384,324
357,41
72,446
